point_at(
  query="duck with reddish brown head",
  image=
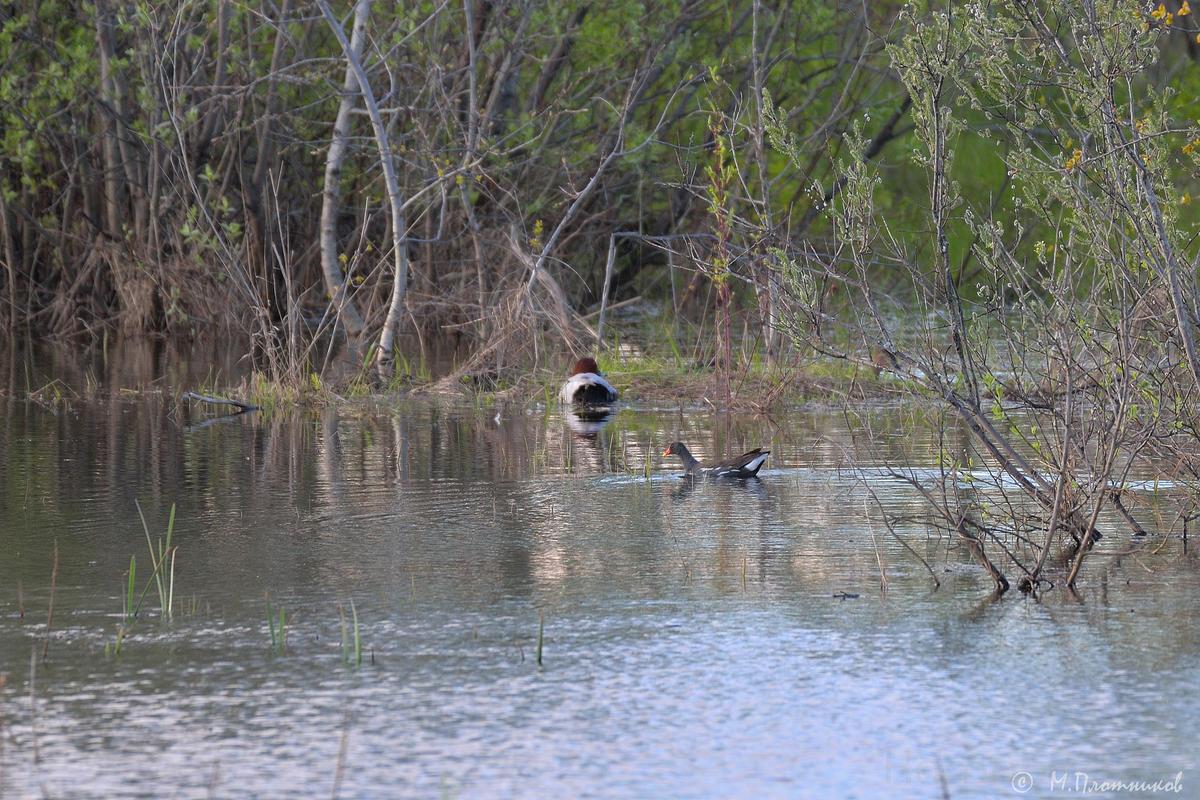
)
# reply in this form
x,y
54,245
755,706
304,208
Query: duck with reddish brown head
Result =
x,y
587,386
746,465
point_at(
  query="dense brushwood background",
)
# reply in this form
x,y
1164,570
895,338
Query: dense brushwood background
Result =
x,y
162,164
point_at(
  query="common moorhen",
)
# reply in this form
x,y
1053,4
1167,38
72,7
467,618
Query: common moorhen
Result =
x,y
744,466
586,386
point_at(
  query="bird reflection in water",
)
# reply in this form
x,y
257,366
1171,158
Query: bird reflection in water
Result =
x,y
590,451
728,489
588,422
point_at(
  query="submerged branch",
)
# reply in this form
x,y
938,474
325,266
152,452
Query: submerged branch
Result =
x,y
220,401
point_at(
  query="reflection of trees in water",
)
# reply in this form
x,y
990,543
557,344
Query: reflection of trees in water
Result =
x,y
330,464
304,472
455,502
146,364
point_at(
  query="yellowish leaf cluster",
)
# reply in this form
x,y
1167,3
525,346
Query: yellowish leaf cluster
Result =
x,y
1161,13
1168,17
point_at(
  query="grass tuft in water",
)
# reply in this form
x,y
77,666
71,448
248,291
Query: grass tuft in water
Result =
x,y
351,644
128,609
163,580
166,591
162,557
278,630
113,648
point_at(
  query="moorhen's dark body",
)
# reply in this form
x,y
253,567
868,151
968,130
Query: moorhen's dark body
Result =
x,y
587,386
746,465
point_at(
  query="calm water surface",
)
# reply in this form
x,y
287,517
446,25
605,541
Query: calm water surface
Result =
x,y
695,639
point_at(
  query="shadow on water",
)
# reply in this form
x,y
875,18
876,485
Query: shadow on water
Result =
x,y
698,635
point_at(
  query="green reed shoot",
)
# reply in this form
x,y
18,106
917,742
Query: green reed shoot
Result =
x,y
369,357
278,629
112,649
158,559
351,646
675,351
132,607
127,605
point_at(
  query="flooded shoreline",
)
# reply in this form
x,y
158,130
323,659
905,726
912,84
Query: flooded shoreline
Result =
x,y
771,635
